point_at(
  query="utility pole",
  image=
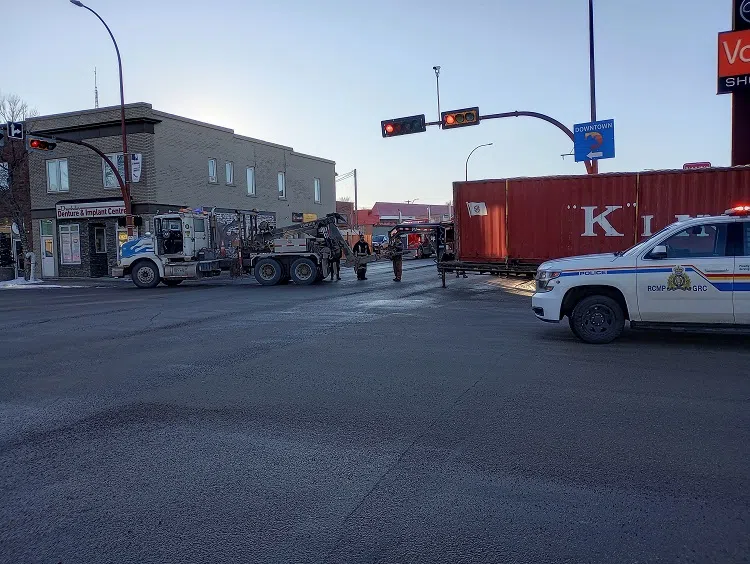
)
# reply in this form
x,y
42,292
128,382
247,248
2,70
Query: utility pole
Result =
x,y
356,213
437,84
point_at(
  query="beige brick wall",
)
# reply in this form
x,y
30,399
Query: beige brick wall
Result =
x,y
182,150
85,178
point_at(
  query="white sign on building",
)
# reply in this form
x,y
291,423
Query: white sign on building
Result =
x,y
89,210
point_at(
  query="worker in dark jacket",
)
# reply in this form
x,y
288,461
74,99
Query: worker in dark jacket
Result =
x,y
397,254
335,260
361,248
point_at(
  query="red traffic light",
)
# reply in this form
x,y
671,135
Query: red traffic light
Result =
x,y
460,118
42,145
403,126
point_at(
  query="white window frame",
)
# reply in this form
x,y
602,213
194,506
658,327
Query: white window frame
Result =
x,y
104,230
250,177
70,229
316,190
229,173
113,183
58,176
215,178
281,181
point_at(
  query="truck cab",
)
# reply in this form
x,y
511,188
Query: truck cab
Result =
x,y
180,237
178,249
694,272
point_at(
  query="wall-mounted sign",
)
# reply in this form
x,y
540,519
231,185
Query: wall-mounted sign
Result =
x,y
297,217
734,61
89,210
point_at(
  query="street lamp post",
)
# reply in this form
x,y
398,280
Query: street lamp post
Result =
x,y
466,168
125,183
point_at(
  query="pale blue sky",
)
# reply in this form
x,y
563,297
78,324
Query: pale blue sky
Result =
x,y
320,75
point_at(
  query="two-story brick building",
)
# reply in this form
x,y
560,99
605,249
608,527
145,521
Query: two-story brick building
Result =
x,y
77,207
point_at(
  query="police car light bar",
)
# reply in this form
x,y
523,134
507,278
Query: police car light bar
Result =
x,y
738,210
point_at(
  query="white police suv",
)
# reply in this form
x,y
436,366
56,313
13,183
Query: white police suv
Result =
x,y
693,272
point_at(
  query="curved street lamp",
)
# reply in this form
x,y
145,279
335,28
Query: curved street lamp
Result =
x,y
125,184
466,169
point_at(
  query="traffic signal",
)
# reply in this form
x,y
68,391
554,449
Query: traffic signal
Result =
x,y
403,126
39,144
459,118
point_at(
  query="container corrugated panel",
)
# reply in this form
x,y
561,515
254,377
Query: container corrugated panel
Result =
x,y
664,197
554,217
577,215
480,238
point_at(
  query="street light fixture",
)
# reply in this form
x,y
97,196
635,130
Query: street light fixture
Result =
x,y
466,168
125,186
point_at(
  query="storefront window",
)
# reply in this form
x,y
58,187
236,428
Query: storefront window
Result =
x,y
70,243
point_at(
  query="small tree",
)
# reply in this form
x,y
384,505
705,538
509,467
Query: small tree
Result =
x,y
15,192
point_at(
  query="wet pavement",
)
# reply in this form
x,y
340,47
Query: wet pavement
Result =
x,y
361,422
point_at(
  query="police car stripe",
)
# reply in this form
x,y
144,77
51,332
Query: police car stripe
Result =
x,y
738,282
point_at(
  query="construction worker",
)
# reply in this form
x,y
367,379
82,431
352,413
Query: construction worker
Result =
x,y
335,260
397,255
361,248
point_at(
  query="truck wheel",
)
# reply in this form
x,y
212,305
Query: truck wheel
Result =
x,y
597,319
145,274
267,272
172,282
304,271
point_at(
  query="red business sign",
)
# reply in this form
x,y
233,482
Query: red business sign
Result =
x,y
688,166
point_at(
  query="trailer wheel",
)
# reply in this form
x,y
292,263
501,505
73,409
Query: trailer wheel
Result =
x,y
172,282
267,272
597,319
145,274
304,271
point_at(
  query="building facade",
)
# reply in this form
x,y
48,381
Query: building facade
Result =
x,y
77,209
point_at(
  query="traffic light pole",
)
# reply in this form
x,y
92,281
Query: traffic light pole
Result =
x,y
592,76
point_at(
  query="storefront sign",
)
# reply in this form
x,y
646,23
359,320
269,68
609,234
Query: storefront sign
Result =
x,y
136,162
86,210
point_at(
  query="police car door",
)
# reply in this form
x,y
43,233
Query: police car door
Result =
x,y
687,277
742,276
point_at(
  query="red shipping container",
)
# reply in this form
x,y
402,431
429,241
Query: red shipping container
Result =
x,y
530,220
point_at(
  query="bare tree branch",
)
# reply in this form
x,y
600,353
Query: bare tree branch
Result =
x,y
15,195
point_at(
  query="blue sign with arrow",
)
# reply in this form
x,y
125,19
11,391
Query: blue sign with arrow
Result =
x,y
594,140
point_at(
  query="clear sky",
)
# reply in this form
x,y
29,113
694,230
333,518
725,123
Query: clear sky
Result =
x,y
320,75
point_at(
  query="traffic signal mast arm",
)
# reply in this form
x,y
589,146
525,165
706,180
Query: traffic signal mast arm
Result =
x,y
451,115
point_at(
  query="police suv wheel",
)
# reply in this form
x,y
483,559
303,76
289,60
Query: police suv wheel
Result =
x,y
597,319
145,274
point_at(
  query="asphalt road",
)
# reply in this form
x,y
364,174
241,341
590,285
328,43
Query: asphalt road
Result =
x,y
361,422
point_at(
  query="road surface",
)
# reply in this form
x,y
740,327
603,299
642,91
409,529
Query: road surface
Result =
x,y
361,422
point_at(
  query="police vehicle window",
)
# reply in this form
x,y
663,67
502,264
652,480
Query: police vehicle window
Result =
x,y
699,241
174,225
199,225
746,238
